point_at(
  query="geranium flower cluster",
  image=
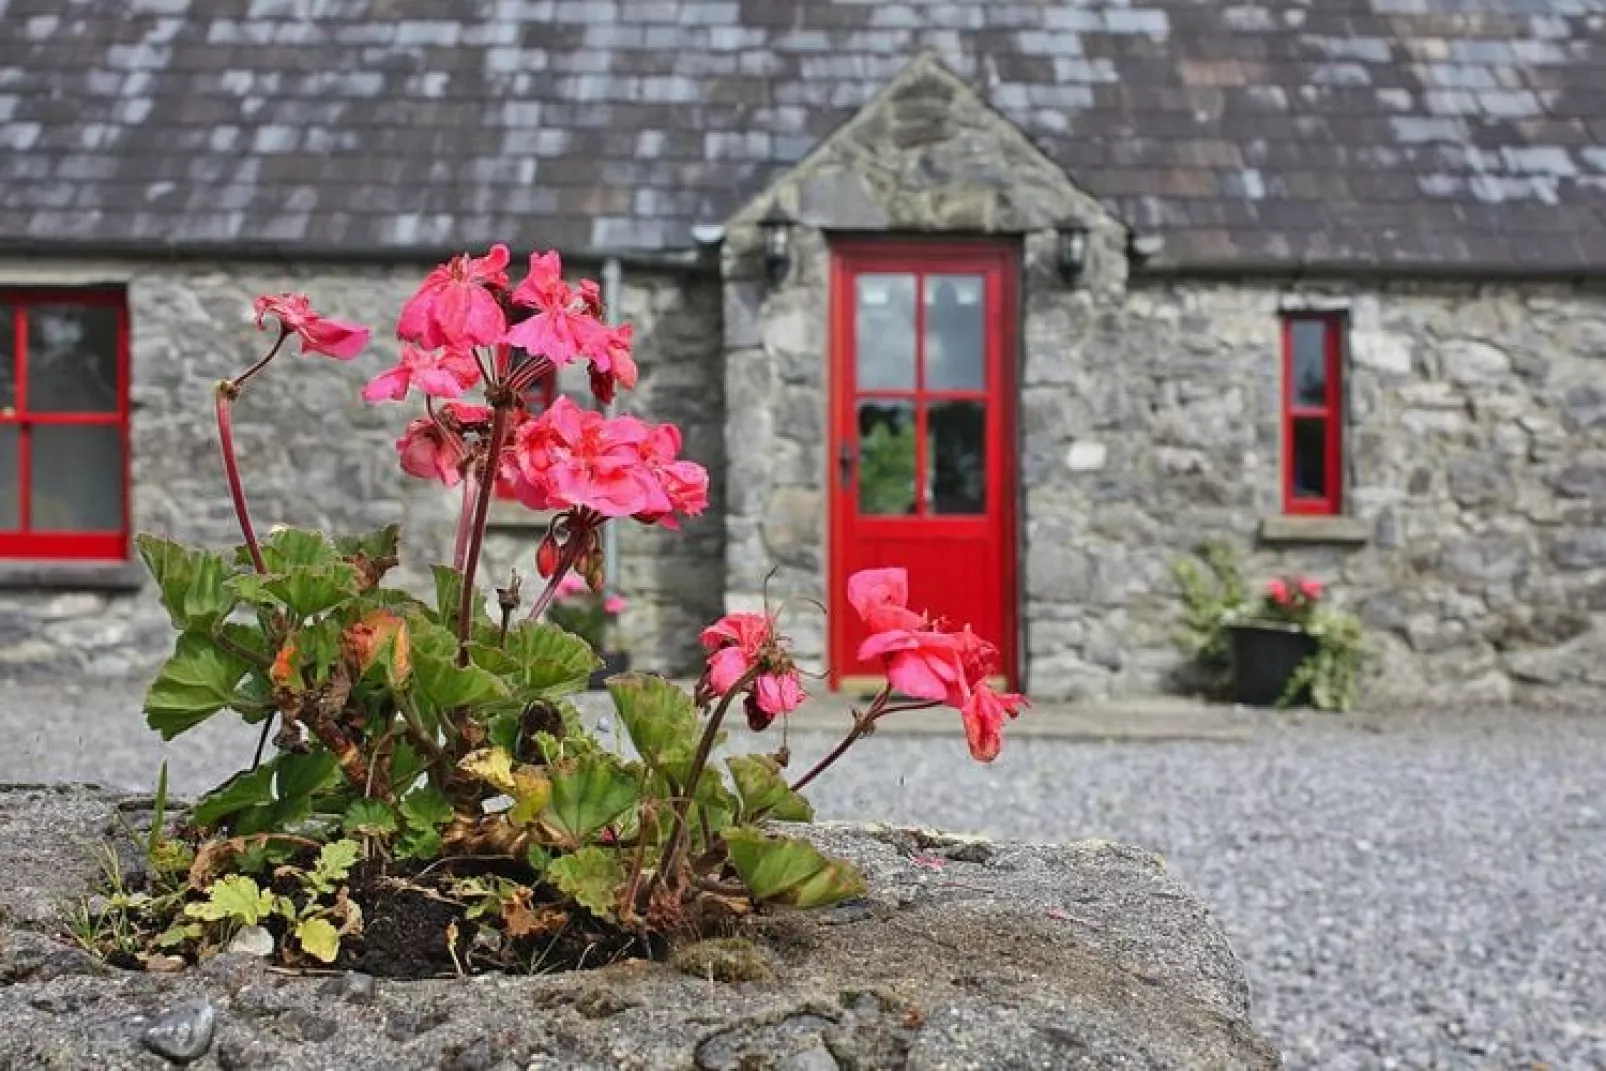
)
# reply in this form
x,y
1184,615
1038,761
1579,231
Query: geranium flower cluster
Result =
x,y
463,328
924,660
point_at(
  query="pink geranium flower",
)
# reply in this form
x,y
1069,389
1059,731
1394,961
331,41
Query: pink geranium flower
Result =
x,y
456,305
571,585
318,334
429,453
881,597
573,457
1311,589
736,644
684,484
1277,592
983,714
442,374
563,327
612,366
614,605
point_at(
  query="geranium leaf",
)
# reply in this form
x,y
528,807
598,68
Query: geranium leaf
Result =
x,y
764,791
197,682
190,582
660,718
335,861
421,844
531,793
588,793
319,939
789,871
438,679
449,597
546,661
426,808
304,591
382,543
237,897
591,877
250,789
288,548
369,818
493,765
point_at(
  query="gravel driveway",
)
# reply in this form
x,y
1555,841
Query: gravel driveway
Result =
x,y
1426,893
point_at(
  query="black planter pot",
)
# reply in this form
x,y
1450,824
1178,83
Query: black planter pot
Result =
x,y
1264,658
613,662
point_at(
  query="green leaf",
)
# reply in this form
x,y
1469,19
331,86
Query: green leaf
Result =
x,y
153,839
381,543
197,682
178,933
289,548
335,861
449,596
789,871
538,859
303,591
437,678
190,582
300,776
318,938
426,808
369,818
546,661
660,718
421,844
591,877
235,897
588,793
764,791
253,788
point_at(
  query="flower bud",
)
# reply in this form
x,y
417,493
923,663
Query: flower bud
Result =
x,y
547,555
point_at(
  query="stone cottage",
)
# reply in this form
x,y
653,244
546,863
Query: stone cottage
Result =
x,y
1031,296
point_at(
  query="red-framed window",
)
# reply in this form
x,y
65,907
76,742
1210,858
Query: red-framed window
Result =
x,y
64,443
1313,413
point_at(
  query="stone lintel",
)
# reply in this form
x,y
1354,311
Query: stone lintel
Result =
x,y
71,576
1344,531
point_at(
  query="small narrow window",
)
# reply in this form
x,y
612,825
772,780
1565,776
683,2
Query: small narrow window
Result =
x,y
1312,414
63,424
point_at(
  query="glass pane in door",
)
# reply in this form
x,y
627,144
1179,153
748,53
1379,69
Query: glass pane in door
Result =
x,y
887,457
884,332
956,348
957,453
72,359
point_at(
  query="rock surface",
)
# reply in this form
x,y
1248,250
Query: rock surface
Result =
x,y
964,954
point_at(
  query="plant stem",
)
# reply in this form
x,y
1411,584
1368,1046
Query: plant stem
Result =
x,y
862,725
238,383
476,538
465,517
226,393
699,761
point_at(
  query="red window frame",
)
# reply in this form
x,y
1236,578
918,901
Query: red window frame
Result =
x,y
26,542
1330,412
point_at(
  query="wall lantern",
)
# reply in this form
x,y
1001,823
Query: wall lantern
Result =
x,y
777,242
1073,249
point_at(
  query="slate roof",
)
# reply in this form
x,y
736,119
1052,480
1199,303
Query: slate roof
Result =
x,y
1437,134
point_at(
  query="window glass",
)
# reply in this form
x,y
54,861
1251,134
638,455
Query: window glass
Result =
x,y
10,499
72,359
957,454
956,350
884,331
1308,475
8,358
1309,341
77,480
886,457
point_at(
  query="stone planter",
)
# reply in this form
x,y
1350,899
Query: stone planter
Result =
x,y
613,662
964,953
1264,658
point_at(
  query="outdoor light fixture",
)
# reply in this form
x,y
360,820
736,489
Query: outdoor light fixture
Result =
x,y
1073,249
777,242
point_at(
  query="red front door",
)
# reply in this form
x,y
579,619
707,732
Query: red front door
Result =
x,y
922,465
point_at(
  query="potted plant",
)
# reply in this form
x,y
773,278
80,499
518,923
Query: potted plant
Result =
x,y
594,617
1288,647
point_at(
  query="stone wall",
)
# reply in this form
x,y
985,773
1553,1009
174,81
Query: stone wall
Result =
x,y
315,454
1475,465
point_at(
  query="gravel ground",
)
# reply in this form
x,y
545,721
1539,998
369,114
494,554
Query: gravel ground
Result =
x,y
1428,892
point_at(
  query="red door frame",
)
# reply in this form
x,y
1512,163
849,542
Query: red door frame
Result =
x,y
993,259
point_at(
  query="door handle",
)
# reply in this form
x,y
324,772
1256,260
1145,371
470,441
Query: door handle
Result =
x,y
844,465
